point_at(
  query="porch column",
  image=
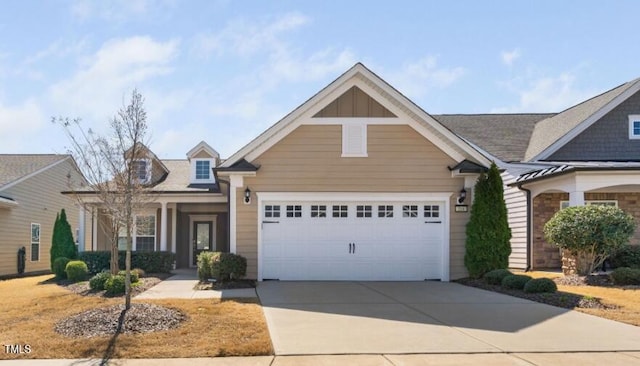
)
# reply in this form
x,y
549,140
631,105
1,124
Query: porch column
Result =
x,y
94,230
576,198
81,227
163,226
174,225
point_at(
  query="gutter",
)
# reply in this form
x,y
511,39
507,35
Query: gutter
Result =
x,y
529,227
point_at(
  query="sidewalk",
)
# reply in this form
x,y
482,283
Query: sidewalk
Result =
x,y
493,359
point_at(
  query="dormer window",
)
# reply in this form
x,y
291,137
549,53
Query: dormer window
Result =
x,y
201,170
142,170
634,126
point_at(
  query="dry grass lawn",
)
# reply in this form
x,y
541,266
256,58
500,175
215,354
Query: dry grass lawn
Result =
x,y
30,309
627,300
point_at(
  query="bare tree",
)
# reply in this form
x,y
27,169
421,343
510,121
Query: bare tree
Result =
x,y
111,165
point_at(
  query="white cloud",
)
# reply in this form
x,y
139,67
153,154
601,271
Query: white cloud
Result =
x,y
415,79
509,57
18,122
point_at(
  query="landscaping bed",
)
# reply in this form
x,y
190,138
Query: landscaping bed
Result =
x,y
145,283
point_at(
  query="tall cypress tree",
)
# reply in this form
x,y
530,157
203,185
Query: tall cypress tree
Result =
x,y
488,232
53,251
62,244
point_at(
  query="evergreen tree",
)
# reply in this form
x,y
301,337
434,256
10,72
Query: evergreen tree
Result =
x,y
62,244
488,232
53,251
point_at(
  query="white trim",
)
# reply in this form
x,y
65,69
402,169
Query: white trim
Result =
x,y
551,149
347,129
7,203
25,177
174,197
590,202
443,197
94,227
174,226
203,146
633,118
341,120
81,228
194,163
163,226
143,212
31,242
232,219
213,219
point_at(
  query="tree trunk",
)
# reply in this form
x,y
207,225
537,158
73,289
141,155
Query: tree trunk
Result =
x,y
127,267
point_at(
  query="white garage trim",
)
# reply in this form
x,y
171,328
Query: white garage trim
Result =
x,y
443,197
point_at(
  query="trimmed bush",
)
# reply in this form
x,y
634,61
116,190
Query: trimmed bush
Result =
x,y
626,276
76,271
134,275
627,256
62,242
59,267
540,285
96,261
115,285
139,271
495,277
98,281
515,282
149,262
228,266
204,265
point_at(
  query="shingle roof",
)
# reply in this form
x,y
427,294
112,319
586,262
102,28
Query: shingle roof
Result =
x,y
505,136
16,166
564,168
178,179
548,131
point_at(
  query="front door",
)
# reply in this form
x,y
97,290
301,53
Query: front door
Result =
x,y
202,235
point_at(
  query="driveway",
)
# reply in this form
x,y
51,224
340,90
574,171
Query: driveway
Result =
x,y
426,317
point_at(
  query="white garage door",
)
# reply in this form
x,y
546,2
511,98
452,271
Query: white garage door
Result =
x,y
352,240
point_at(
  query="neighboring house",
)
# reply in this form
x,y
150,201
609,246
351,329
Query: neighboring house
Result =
x,y
30,198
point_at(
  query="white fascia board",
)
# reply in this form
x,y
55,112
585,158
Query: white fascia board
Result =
x,y
544,154
7,203
353,196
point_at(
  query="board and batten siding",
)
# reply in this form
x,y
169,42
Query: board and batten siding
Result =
x,y
39,200
516,201
309,160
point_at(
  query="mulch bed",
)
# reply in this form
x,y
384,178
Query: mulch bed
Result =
x,y
601,280
140,318
145,283
227,285
560,299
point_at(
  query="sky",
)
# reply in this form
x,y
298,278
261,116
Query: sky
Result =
x,y
223,71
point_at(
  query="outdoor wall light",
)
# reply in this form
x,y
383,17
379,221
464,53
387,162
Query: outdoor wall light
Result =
x,y
247,195
462,196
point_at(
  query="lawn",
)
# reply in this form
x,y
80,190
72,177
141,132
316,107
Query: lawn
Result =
x,y
32,306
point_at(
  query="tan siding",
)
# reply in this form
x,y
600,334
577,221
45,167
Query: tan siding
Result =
x,y
39,200
354,103
202,155
308,160
516,201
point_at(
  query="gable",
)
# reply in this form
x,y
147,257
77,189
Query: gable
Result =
x,y
605,140
354,103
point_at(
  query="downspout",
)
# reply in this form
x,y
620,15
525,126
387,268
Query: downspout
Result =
x,y
215,174
529,227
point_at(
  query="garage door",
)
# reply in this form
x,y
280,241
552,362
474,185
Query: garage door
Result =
x,y
352,240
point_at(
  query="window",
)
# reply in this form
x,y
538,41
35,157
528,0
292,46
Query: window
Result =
x,y
318,211
142,170
144,234
122,238
385,211
410,211
202,169
363,211
35,242
272,211
634,126
614,203
340,211
431,211
354,140
294,211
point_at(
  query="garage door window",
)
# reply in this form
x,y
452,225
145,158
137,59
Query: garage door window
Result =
x,y
339,210
431,211
410,211
385,211
294,211
363,211
272,211
318,211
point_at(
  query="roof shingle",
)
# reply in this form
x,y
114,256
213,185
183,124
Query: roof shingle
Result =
x,y
16,166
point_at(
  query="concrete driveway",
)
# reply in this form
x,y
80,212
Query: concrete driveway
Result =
x,y
426,317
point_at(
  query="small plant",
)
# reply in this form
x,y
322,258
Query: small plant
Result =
x,y
115,285
59,266
495,277
204,265
98,281
540,285
228,266
76,271
515,282
134,275
626,276
141,273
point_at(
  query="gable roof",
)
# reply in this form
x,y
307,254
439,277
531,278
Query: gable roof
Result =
x,y
504,136
370,83
178,179
552,133
13,167
202,146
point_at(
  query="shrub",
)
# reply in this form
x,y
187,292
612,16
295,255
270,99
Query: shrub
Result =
x,y
228,266
115,285
626,276
139,271
134,275
488,232
495,277
62,243
204,265
149,262
539,285
627,256
76,271
590,233
97,282
515,282
59,267
96,261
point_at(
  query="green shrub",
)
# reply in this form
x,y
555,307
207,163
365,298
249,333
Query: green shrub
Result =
x,y
62,242
626,276
539,285
98,281
134,275
115,285
96,261
488,233
495,277
515,282
139,271
627,256
149,262
204,265
59,267
228,266
77,271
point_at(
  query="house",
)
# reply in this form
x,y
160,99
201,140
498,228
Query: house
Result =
x,y
30,199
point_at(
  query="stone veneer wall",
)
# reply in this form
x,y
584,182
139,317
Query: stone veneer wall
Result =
x,y
545,205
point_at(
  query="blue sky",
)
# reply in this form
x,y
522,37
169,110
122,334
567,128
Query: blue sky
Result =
x,y
223,71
